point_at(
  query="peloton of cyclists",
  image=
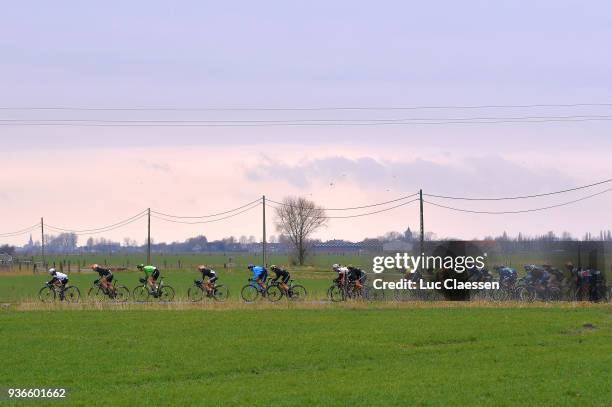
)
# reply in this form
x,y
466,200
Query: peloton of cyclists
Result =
x,y
106,276
209,273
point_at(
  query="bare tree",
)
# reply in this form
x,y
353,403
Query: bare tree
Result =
x,y
298,219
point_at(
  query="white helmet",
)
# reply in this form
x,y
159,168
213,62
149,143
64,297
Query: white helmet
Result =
x,y
336,266
51,271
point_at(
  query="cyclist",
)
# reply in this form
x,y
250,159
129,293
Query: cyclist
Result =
x,y
283,275
260,274
58,279
507,275
212,277
106,276
356,276
571,276
342,273
151,275
539,277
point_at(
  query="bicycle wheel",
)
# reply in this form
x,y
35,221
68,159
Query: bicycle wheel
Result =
x,y
401,294
122,294
195,293
373,294
274,293
166,293
96,293
141,294
297,293
72,294
581,294
526,294
554,294
335,293
46,294
221,293
355,293
249,293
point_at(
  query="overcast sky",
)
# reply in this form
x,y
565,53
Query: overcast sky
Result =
x,y
303,54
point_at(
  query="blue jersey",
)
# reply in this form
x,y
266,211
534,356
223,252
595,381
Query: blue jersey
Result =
x,y
259,272
507,272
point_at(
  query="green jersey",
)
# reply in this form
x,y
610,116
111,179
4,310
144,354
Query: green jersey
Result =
x,y
148,270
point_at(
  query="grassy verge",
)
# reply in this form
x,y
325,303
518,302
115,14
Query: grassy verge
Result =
x,y
328,356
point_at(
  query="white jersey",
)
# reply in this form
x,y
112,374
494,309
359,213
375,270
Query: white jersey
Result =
x,y
60,276
342,270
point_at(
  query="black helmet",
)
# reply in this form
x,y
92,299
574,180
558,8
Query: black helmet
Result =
x,y
250,266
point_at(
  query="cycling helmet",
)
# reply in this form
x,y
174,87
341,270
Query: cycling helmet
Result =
x,y
250,266
336,266
51,271
140,266
273,267
94,266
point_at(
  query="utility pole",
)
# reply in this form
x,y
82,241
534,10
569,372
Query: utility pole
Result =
x,y
422,226
42,239
263,242
148,236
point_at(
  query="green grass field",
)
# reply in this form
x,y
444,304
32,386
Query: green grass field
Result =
x,y
334,355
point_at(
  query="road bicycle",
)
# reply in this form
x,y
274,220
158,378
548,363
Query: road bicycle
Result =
x,y
143,293
51,292
531,292
293,292
253,290
100,293
349,290
198,291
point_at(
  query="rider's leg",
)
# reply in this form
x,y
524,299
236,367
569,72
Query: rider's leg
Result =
x,y
152,283
261,283
284,285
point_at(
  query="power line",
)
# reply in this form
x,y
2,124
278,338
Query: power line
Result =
x,y
351,208
207,216
315,108
20,232
520,196
371,213
95,230
206,221
24,123
357,215
294,121
111,228
518,211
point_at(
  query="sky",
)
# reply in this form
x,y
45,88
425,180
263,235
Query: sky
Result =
x,y
302,55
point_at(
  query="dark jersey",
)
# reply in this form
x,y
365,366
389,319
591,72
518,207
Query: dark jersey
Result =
x,y
208,273
103,272
355,273
280,273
